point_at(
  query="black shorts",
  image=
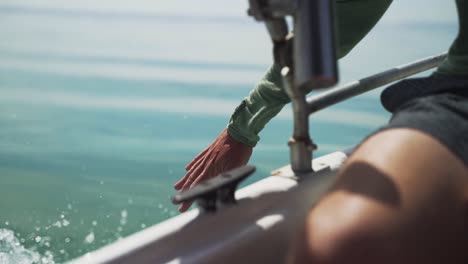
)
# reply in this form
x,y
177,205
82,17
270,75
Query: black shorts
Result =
x,y
437,106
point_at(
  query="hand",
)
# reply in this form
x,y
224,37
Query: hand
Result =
x,y
224,154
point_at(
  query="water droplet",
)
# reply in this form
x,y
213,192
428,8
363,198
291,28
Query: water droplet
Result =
x,y
69,206
65,222
37,228
143,225
62,251
38,239
119,229
94,223
7,223
67,240
90,238
130,201
123,213
57,224
62,216
101,182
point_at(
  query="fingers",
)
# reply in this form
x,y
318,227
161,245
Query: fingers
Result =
x,y
193,176
183,207
216,143
195,173
179,185
203,166
205,174
190,184
196,176
196,159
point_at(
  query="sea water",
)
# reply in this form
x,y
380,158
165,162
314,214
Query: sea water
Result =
x,y
102,104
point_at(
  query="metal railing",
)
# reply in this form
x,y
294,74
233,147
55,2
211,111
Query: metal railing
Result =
x,y
301,151
339,94
308,62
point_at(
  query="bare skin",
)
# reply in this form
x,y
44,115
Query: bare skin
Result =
x,y
402,197
224,154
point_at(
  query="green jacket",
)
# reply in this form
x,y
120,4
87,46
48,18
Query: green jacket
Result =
x,y
354,19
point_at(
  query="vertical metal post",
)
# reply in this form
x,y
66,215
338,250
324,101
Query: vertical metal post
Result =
x,y
314,67
300,143
314,45
311,64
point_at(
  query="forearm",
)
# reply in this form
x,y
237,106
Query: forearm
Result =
x,y
262,104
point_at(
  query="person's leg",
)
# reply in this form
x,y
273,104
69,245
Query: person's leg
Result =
x,y
400,198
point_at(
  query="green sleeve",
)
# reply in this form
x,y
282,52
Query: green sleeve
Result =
x,y
456,63
354,19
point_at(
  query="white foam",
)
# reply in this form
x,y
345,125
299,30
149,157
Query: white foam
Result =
x,y
12,252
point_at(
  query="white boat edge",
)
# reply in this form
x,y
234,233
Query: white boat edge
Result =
x,y
255,230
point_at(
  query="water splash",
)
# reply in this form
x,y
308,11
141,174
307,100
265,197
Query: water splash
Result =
x,y
89,238
123,218
124,213
57,224
65,222
12,252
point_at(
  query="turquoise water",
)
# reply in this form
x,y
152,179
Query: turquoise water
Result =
x,y
103,104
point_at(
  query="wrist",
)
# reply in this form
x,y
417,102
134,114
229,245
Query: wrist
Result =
x,y
248,139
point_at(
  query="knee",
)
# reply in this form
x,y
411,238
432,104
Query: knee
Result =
x,y
328,238
329,241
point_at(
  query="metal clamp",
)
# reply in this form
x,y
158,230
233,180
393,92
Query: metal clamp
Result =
x,y
217,192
